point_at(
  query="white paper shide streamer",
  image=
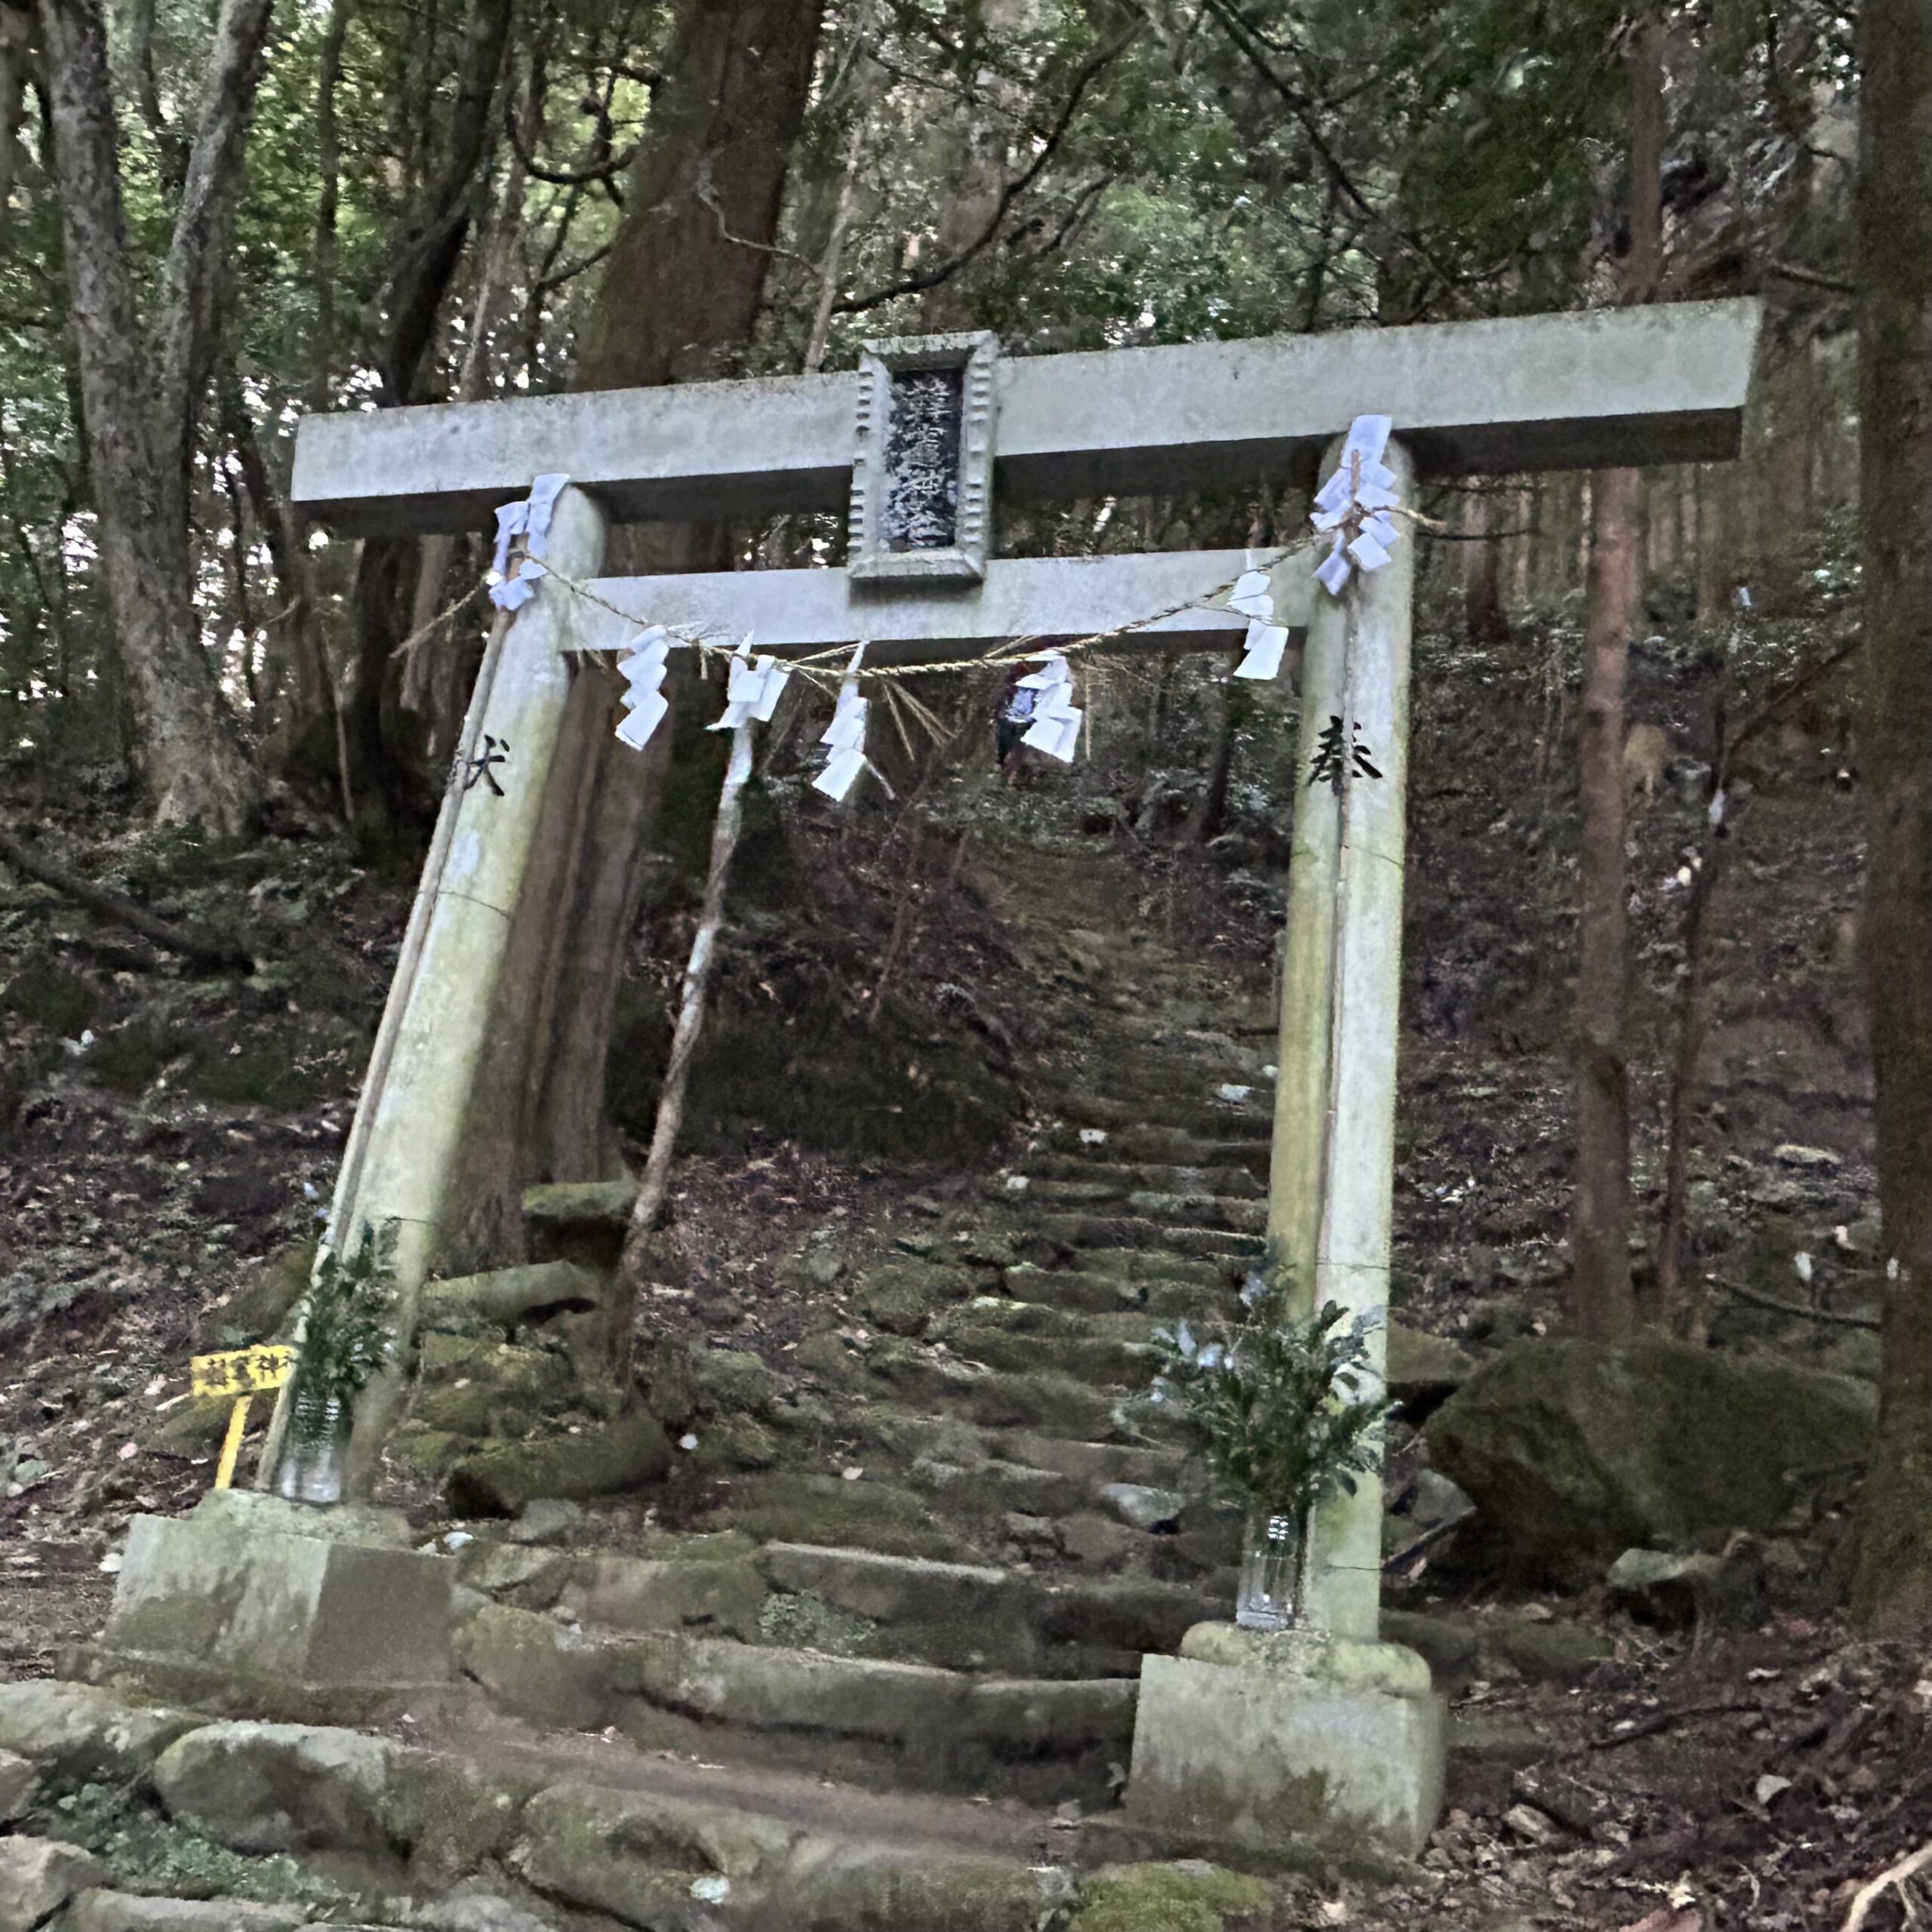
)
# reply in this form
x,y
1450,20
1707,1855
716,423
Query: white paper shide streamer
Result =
x,y
845,736
1253,597
644,703
530,520
753,689
1355,502
1057,720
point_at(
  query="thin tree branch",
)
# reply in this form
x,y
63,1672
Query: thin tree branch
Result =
x,y
1091,71
1811,278
1830,1317
205,950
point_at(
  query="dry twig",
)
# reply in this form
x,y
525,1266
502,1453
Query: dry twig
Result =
x,y
1868,1894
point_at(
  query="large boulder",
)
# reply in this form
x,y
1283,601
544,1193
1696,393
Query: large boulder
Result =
x,y
1574,1451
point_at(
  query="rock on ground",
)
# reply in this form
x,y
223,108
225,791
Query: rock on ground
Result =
x,y
1572,1451
38,1876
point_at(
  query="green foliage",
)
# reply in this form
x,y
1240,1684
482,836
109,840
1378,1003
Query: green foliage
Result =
x,y
347,1333
1281,1401
146,1853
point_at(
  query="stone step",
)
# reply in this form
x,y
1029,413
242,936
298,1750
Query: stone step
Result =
x,y
1021,1336
581,1221
873,1721
506,1299
1028,1398
487,1820
1083,1291
1160,1144
981,1618
1100,1167
1109,1231
1140,1264
1201,1210
1194,1113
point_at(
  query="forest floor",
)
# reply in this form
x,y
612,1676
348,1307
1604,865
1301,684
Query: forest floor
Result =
x,y
166,1138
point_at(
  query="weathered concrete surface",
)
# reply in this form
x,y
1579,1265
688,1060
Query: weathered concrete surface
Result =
x,y
417,1107
1286,1745
795,612
1333,1174
1659,385
243,1601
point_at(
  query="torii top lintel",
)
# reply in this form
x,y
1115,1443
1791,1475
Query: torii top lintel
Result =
x,y
1664,384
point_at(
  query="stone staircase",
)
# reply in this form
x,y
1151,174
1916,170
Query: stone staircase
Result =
x,y
926,1548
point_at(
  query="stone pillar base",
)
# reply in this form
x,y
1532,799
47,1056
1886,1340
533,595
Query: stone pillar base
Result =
x,y
1289,1745
260,1606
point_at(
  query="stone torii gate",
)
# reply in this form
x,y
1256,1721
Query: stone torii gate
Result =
x,y
1237,1732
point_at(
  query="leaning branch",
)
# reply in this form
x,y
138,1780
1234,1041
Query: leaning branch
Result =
x,y
205,950
639,1239
1757,1299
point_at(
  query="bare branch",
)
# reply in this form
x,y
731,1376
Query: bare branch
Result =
x,y
1096,65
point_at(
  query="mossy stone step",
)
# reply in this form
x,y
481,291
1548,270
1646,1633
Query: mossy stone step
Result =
x,y
1101,1167
1117,1231
1140,1264
1202,1210
505,1298
1082,1291
1157,1143
873,1721
1199,1116
581,1221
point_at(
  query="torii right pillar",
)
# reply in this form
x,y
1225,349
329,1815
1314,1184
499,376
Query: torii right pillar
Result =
x,y
1321,1739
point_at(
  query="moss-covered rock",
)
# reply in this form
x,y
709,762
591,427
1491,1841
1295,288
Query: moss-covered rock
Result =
x,y
631,1453
1190,1896
1573,1451
901,1297
77,1733
734,1381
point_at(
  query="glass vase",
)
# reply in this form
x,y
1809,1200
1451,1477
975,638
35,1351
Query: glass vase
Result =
x,y
318,1448
1270,1597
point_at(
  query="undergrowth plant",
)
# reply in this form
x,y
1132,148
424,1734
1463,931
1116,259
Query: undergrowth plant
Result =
x,y
1290,1408
346,1334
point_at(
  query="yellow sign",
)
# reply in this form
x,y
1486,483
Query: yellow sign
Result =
x,y
242,1371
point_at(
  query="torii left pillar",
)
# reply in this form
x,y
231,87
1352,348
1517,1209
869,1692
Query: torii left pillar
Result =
x,y
254,1602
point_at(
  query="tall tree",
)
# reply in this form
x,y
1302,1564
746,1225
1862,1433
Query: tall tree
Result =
x,y
1892,1586
1601,1303
142,386
680,297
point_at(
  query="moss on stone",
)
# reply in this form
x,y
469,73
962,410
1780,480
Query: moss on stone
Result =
x,y
787,1508
1192,1897
807,1622
631,1453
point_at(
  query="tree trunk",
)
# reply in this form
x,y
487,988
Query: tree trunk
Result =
x,y
1892,1587
680,296
1484,621
388,769
141,392
1600,1296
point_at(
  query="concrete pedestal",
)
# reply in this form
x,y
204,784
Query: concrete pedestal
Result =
x,y
1289,1745
265,1607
